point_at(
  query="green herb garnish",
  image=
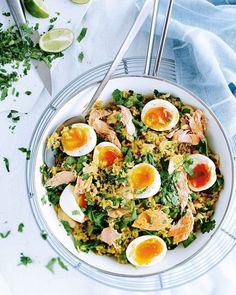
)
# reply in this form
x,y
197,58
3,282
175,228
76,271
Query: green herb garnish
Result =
x,y
50,265
5,235
207,226
20,227
61,263
26,152
6,162
82,34
67,227
44,235
81,56
25,260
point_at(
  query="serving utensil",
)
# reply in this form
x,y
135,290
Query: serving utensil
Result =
x,y
17,11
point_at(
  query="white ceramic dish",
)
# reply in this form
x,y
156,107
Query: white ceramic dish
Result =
x,y
218,143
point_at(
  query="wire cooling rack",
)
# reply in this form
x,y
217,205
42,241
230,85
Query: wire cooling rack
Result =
x,y
215,250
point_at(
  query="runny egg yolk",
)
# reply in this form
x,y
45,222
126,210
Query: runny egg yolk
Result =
x,y
142,177
201,175
158,117
145,251
108,155
74,138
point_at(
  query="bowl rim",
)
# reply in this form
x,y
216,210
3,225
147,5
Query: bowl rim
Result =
x,y
30,167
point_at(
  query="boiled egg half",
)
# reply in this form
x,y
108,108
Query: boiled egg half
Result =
x,y
69,205
146,250
106,154
160,115
203,174
78,140
145,180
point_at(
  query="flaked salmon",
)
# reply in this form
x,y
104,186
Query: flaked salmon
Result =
x,y
152,220
127,120
109,236
63,177
101,127
182,189
82,186
182,229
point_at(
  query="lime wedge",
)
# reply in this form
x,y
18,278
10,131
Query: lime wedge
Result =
x,y
56,40
80,1
37,8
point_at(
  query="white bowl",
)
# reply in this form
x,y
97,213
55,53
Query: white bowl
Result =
x,y
72,107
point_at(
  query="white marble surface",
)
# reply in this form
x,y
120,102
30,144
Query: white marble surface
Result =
x,y
100,45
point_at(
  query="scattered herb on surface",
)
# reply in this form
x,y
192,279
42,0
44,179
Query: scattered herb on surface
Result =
x,y
21,227
26,152
14,116
50,265
44,235
82,34
15,55
6,14
6,162
5,235
25,260
61,263
28,92
81,56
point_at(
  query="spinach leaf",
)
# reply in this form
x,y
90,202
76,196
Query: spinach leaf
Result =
x,y
88,245
189,240
202,147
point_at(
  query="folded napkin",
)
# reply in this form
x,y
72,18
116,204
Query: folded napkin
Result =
x,y
69,15
205,52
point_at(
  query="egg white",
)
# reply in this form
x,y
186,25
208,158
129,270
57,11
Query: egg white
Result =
x,y
131,247
165,104
103,144
152,189
89,146
69,205
198,159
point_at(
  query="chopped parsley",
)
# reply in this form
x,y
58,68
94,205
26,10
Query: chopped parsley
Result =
x,y
81,56
25,260
44,235
6,14
61,263
26,152
51,264
82,34
28,92
5,235
207,226
21,227
15,55
13,115
53,19
75,212
6,162
67,227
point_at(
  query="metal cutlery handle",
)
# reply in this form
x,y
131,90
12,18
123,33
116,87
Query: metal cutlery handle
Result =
x,y
17,11
125,46
151,38
163,38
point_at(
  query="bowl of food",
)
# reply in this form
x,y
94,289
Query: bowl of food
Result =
x,y
140,188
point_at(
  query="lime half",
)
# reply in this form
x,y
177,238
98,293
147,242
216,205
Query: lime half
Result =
x,y
80,1
37,8
56,40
